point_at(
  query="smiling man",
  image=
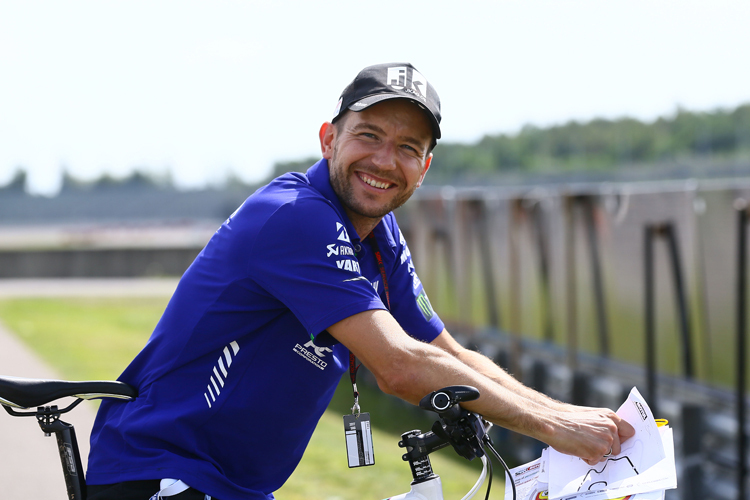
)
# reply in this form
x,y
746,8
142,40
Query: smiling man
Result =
x,y
377,158
311,270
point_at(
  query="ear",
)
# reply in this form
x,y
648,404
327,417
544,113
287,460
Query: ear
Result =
x,y
326,135
427,164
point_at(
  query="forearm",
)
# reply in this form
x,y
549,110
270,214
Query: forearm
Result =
x,y
576,430
588,433
410,369
488,368
491,370
431,369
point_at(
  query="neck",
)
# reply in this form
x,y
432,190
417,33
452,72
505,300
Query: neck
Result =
x,y
363,225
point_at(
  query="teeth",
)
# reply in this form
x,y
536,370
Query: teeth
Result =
x,y
374,183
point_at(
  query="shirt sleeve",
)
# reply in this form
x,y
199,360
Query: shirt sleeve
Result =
x,y
409,303
304,258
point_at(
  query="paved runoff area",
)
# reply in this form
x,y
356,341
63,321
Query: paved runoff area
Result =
x,y
29,463
82,287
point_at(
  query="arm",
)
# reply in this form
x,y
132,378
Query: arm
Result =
x,y
409,369
488,368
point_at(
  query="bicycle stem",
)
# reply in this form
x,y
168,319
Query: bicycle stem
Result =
x,y
418,447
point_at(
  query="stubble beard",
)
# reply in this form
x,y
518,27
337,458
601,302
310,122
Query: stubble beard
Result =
x,y
341,182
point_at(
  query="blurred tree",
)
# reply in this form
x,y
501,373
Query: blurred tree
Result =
x,y
138,180
17,184
599,144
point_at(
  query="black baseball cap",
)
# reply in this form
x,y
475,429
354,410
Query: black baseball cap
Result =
x,y
390,81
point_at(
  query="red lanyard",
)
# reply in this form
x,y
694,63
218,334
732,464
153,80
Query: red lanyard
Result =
x,y
353,366
381,267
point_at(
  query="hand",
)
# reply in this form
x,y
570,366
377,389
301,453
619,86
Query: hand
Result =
x,y
589,433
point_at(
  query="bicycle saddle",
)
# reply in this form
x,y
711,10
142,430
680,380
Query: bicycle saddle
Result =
x,y
30,392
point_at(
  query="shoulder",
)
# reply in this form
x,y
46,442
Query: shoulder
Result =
x,y
292,221
287,211
286,199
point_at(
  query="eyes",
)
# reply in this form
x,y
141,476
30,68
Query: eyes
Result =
x,y
410,149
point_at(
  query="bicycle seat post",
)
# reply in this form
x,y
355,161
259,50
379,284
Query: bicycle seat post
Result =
x,y
49,421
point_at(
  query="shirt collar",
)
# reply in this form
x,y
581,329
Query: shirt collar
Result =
x,y
320,179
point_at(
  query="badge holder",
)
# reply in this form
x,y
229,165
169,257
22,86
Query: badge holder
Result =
x,y
357,429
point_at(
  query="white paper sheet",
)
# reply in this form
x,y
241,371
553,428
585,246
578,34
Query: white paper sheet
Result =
x,y
570,475
642,471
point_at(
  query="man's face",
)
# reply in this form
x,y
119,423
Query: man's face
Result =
x,y
377,157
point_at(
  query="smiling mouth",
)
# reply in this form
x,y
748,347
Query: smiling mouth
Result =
x,y
372,182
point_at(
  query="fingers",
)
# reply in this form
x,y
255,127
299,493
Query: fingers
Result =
x,y
593,434
624,430
614,450
617,431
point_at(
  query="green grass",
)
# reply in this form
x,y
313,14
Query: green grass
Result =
x,y
86,338
95,338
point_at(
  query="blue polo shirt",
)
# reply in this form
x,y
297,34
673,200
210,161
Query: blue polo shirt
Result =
x,y
230,384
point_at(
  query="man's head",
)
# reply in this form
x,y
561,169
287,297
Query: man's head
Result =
x,y
381,82
379,148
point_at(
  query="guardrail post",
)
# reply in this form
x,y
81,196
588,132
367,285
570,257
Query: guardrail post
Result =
x,y
540,236
571,283
597,282
539,376
742,209
514,277
670,233
649,306
485,231
580,393
693,426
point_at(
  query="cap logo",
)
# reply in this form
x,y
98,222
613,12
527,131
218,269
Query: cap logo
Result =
x,y
337,110
406,79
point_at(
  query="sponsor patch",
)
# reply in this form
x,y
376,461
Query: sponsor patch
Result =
x,y
424,305
313,354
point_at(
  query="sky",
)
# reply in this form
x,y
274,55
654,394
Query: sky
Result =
x,y
202,89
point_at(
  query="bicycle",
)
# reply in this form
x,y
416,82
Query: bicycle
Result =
x,y
467,432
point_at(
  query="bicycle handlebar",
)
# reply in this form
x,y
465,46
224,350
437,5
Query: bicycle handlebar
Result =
x,y
463,430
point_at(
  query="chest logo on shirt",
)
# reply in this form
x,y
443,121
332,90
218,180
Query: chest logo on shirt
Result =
x,y
336,249
343,250
313,354
349,265
343,235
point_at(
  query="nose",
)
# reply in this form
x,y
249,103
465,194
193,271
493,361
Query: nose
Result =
x,y
385,156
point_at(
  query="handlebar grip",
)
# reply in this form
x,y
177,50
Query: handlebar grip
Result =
x,y
445,401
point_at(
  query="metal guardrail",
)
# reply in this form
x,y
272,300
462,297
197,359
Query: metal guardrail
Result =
x,y
669,245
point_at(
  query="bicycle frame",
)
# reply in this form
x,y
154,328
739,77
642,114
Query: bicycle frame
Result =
x,y
432,489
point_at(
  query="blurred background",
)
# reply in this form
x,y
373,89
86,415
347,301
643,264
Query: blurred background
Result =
x,y
583,223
